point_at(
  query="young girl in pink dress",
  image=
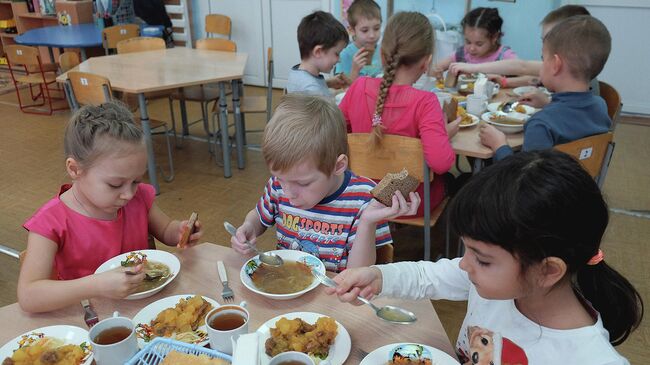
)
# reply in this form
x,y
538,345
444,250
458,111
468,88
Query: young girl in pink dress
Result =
x,y
106,211
391,105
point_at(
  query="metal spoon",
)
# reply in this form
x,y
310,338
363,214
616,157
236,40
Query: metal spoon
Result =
x,y
270,259
388,313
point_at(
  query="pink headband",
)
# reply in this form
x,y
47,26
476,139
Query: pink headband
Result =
x,y
597,258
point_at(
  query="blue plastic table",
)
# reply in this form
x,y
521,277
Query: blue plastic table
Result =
x,y
70,36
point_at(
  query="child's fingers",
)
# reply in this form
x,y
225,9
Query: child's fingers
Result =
x,y
351,296
330,291
367,292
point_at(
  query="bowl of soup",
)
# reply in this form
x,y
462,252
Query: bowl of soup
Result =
x,y
291,280
160,268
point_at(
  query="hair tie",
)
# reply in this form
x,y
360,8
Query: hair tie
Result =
x,y
597,258
376,120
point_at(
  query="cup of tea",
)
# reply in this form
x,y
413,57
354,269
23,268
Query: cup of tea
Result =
x,y
113,340
476,104
223,323
292,358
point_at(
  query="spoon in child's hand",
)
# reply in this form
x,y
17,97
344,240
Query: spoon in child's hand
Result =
x,y
265,257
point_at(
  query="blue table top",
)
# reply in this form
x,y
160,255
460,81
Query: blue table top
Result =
x,y
70,36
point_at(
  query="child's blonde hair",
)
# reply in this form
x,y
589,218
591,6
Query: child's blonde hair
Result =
x,y
304,127
363,8
84,138
586,50
408,38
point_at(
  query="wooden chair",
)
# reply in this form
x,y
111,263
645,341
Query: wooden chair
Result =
x,y
257,104
385,254
140,44
86,88
68,60
613,101
111,36
594,154
26,68
218,24
201,93
396,153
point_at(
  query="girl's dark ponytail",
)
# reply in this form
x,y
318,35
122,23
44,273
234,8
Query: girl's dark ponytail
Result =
x,y
618,302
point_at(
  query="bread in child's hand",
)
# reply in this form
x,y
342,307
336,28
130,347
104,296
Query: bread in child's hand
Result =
x,y
391,183
187,230
450,109
177,358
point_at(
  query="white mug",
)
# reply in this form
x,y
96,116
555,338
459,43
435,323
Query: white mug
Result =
x,y
221,340
443,98
476,104
484,87
292,356
116,353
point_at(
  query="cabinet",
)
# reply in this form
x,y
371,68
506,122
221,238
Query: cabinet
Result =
x,y
257,25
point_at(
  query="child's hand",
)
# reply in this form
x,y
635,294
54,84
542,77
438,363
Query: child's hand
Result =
x,y
339,81
117,284
491,136
376,211
536,99
461,67
352,283
196,234
244,233
359,60
453,127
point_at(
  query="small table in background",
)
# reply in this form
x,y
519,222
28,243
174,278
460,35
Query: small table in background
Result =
x,y
69,36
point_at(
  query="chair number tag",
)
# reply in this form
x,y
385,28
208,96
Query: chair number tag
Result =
x,y
19,52
585,153
122,31
84,81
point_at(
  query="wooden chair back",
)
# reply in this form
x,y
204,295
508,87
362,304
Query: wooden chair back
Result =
x,y
111,36
218,24
68,60
18,55
89,88
140,44
216,44
590,151
612,99
385,254
394,154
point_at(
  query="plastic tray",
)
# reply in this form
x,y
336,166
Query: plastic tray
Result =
x,y
155,352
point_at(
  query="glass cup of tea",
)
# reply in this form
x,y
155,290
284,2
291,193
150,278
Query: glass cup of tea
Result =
x,y
292,358
223,323
113,340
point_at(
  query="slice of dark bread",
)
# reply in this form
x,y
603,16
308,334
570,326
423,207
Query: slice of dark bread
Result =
x,y
392,182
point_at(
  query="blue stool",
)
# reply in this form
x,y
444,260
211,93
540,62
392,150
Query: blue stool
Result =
x,y
152,31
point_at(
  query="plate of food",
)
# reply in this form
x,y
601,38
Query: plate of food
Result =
x,y
470,77
467,120
179,317
291,280
160,268
329,339
60,341
518,107
521,90
506,122
408,353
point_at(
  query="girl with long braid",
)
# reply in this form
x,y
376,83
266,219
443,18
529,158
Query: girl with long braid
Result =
x,y
391,105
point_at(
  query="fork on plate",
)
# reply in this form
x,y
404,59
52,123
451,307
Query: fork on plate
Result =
x,y
90,317
227,293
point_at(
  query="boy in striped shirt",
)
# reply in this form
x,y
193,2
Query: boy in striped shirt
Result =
x,y
318,205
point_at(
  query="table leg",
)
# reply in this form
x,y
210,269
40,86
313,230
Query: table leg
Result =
x,y
183,107
478,165
51,52
83,54
146,128
239,128
223,125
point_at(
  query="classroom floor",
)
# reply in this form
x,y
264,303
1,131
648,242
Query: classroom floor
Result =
x,y
31,162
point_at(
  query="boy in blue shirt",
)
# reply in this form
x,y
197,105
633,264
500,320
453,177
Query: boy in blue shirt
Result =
x,y
360,57
568,64
321,38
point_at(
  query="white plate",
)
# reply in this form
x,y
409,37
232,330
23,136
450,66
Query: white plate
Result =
x,y
493,107
293,255
382,355
505,128
69,335
474,122
521,90
150,312
154,255
339,351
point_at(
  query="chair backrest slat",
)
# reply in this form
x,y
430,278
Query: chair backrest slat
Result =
x,y
18,55
140,44
68,60
111,36
612,99
216,44
589,151
218,24
394,154
88,88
